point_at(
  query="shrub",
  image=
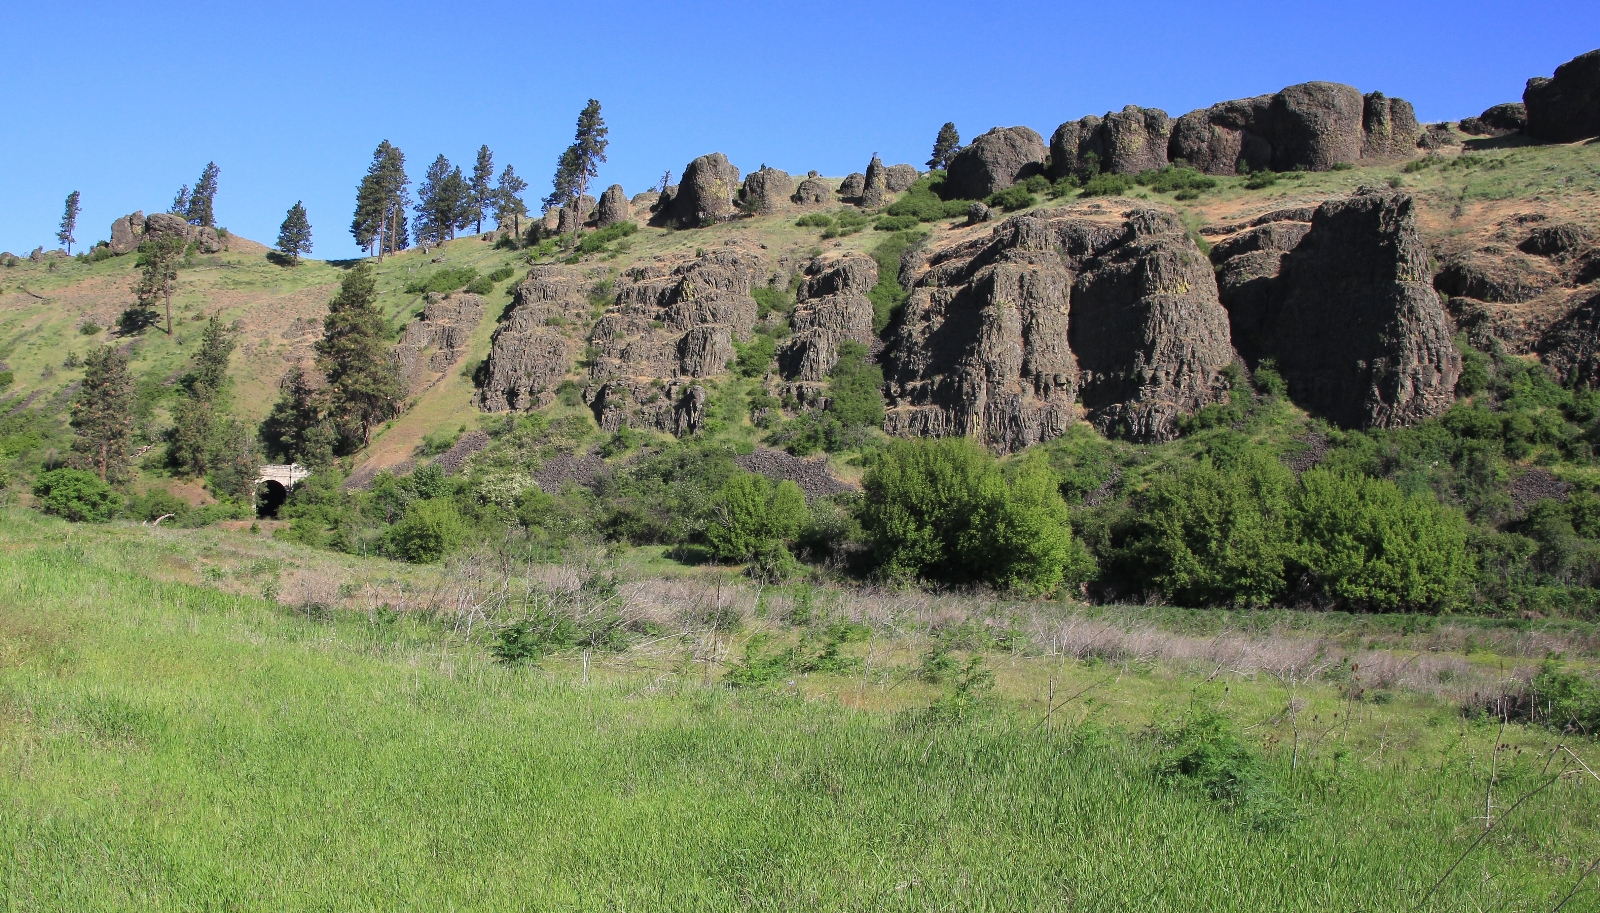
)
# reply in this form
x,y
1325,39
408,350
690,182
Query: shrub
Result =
x,y
1173,178
596,241
1013,198
769,299
1268,380
445,280
894,223
1204,752
155,504
77,495
430,529
924,201
89,328
749,514
887,295
755,356
1568,701
1065,186
482,285
1261,179
1475,369
1107,184
855,387
846,222
815,220
502,274
7,378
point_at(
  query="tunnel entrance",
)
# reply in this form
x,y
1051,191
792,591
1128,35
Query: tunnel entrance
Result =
x,y
270,496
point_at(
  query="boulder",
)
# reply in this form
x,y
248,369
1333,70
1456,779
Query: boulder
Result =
x,y
1345,306
852,186
995,161
1571,347
126,233
644,202
1129,141
813,191
567,220
874,185
36,255
979,212
899,178
1004,335
1499,120
1437,136
706,192
613,207
766,190
550,222
1389,127
1565,108
207,240
165,223
831,307
1312,127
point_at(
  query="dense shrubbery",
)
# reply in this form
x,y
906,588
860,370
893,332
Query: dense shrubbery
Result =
x,y
1107,184
594,242
76,494
1013,198
1186,182
924,201
445,280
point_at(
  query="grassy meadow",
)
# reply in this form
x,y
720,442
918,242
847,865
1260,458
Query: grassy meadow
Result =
x,y
171,740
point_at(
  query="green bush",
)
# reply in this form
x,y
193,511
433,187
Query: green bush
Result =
x,y
943,510
1013,198
155,504
1173,178
89,328
846,222
755,356
1065,186
596,241
1565,701
1259,180
502,274
925,202
430,529
1476,368
855,387
1268,380
750,514
445,280
895,223
1107,184
769,299
482,285
815,220
887,295
77,495
7,378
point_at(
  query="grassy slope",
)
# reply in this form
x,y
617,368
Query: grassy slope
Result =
x,y
165,745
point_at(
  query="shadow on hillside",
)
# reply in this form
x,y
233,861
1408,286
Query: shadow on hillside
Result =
x,y
1509,141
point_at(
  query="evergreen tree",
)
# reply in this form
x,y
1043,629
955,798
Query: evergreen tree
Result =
x,y
481,195
102,415
945,147
180,202
395,182
441,199
364,384
508,201
379,225
294,235
197,444
455,198
298,430
201,202
580,163
158,272
69,221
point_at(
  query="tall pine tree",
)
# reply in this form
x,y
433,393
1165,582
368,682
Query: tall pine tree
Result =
x,y
364,383
180,202
508,203
441,202
580,163
69,222
158,272
945,146
203,200
102,415
294,235
193,445
298,429
481,191
379,225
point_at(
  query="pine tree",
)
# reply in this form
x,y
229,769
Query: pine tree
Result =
x,y
195,445
508,201
69,221
395,182
297,430
180,202
202,201
158,272
455,198
434,217
580,163
364,384
102,415
379,225
945,147
481,197
294,235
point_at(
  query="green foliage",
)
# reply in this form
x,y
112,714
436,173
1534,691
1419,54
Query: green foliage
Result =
x,y
1013,198
1186,182
1259,180
945,147
888,295
379,225
202,203
430,529
7,378
818,650
943,510
1476,369
364,382
1268,380
1107,184
663,497
103,414
815,220
596,241
1203,752
770,300
895,223
750,514
443,203
501,274
443,281
1564,700
846,222
924,201
294,235
855,387
76,495
755,357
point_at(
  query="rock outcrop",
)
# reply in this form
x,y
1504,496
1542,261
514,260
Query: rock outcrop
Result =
x,y
706,192
531,354
1571,346
1343,303
813,191
126,233
644,201
874,186
831,307
1510,285
613,207
1498,120
1565,108
766,190
853,185
165,223
1310,127
1004,334
900,177
1124,142
995,161
431,344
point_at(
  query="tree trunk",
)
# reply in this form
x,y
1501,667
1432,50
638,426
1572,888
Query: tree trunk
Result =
x,y
169,313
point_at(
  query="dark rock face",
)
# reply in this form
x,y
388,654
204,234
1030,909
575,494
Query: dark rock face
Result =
x,y
1571,347
1437,136
1312,126
1002,334
1389,127
644,202
766,190
165,223
831,307
979,212
1345,307
530,354
1511,288
613,207
1495,275
126,233
1565,108
853,185
812,191
706,192
995,161
434,342
900,177
874,185
811,475
1129,141
1497,121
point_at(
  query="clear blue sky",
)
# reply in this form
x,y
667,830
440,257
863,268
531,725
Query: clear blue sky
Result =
x,y
127,101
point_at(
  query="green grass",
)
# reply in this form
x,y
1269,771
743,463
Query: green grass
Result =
x,y
170,746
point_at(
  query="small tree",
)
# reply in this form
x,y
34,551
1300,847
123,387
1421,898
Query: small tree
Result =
x,y
158,272
945,146
354,354
180,202
298,430
580,162
69,222
294,235
195,445
508,200
102,415
750,514
202,201
480,194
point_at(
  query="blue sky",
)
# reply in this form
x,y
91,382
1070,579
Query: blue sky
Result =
x,y
124,102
